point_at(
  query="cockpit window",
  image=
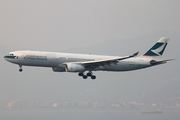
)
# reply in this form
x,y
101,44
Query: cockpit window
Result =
x,y
11,54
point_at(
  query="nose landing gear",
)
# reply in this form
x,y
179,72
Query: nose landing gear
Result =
x,y
20,69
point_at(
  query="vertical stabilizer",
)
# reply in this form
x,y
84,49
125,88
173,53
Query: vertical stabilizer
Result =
x,y
158,48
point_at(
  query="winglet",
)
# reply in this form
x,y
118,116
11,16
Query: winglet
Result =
x,y
135,54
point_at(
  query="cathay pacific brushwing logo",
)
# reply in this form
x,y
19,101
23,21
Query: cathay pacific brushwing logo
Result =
x,y
157,49
160,49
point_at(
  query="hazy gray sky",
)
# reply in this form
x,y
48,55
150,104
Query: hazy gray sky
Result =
x,y
113,27
73,23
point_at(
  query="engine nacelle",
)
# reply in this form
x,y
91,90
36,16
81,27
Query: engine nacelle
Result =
x,y
58,69
73,67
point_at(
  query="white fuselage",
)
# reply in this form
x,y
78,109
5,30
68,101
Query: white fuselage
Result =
x,y
82,63
55,60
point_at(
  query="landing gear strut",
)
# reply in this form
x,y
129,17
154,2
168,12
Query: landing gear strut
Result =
x,y
20,69
85,76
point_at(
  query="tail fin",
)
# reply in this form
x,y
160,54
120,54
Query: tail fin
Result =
x,y
158,48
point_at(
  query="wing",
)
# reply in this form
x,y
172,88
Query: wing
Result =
x,y
91,65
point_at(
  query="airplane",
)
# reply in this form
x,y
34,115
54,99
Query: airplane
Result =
x,y
85,64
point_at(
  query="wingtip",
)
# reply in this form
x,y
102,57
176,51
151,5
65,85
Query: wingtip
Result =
x,y
135,54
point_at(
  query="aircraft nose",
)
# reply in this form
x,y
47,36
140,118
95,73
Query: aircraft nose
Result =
x,y
10,57
5,57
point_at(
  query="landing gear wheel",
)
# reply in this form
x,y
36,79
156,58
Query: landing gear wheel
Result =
x,y
84,77
93,77
80,74
89,74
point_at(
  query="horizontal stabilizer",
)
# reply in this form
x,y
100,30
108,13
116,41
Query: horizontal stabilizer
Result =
x,y
154,62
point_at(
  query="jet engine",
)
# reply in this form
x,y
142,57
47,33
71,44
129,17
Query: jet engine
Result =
x,y
58,69
73,67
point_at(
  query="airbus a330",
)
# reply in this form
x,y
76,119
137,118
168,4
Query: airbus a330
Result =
x,y
85,64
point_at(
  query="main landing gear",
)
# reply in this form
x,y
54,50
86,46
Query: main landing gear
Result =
x,y
20,69
85,76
